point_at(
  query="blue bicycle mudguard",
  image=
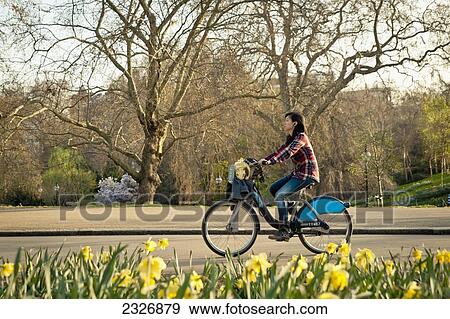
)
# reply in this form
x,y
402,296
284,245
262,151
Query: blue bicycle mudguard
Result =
x,y
323,205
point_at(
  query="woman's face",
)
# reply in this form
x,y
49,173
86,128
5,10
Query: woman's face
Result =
x,y
288,125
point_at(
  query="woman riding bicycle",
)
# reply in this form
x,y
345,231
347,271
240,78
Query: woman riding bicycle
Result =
x,y
306,171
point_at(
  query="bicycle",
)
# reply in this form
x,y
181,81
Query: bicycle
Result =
x,y
233,224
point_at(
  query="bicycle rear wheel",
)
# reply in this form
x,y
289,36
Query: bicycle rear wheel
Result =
x,y
230,225
316,240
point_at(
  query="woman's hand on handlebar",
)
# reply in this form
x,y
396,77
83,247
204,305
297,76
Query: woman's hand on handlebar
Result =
x,y
263,161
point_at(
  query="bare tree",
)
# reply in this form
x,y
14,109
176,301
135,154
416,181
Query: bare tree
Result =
x,y
118,73
156,47
309,51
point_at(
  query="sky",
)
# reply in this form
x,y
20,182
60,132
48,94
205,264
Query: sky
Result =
x,y
406,80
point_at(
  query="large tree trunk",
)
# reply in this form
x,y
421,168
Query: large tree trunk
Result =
x,y
149,179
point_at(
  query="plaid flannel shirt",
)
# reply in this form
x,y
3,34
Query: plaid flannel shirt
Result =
x,y
301,153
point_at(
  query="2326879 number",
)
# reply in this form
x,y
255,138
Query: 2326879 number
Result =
x,y
151,308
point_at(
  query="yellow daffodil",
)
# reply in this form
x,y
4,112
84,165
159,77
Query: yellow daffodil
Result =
x,y
417,254
338,279
87,254
331,248
249,275
413,291
239,283
328,295
364,258
442,257
123,277
309,277
447,256
335,278
189,294
150,245
195,281
344,249
149,284
152,267
163,243
320,258
173,287
7,269
344,261
258,263
298,265
421,266
105,256
294,267
389,267
150,270
171,290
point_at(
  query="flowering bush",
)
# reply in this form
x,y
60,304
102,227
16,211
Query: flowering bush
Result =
x,y
112,191
117,273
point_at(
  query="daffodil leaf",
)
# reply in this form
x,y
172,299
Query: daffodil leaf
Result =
x,y
110,266
182,289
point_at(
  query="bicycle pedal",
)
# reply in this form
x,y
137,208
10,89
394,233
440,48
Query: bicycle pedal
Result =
x,y
324,225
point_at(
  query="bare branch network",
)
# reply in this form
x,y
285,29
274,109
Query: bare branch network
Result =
x,y
123,73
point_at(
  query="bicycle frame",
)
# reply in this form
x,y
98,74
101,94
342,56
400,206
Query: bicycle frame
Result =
x,y
307,216
294,222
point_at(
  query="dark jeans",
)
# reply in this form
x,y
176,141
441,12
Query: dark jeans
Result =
x,y
284,187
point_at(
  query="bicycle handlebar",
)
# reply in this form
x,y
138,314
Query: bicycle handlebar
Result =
x,y
258,168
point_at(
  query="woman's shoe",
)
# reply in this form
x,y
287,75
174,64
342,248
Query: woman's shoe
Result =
x,y
281,235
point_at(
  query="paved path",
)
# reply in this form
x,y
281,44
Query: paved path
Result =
x,y
189,217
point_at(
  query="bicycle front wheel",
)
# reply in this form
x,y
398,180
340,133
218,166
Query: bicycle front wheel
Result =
x,y
317,240
230,225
